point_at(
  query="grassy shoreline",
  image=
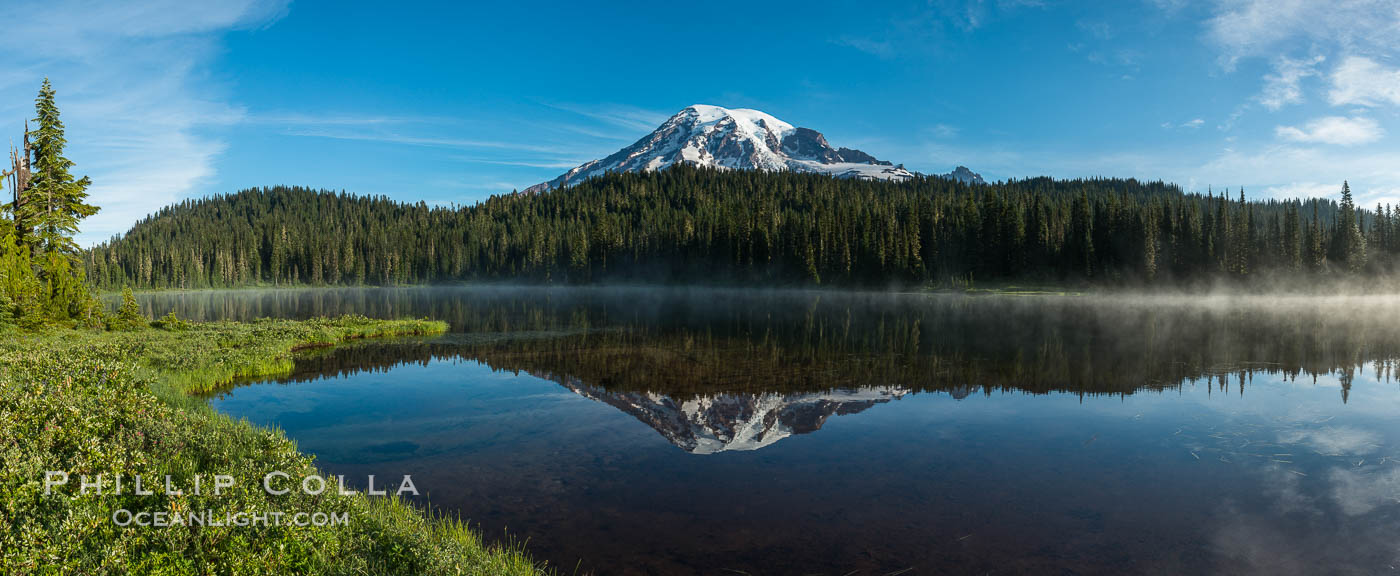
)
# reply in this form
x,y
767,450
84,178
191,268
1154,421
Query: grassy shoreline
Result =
x,y
90,402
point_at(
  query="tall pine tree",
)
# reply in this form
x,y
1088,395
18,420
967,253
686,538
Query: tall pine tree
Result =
x,y
55,200
1353,244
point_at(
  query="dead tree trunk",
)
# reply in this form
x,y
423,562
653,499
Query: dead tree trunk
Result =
x,y
19,177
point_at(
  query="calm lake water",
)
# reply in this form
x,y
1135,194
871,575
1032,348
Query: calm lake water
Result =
x,y
710,432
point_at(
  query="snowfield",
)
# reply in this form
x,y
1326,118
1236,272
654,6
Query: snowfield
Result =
x,y
733,139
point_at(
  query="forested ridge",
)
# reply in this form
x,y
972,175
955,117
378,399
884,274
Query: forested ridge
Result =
x,y
698,225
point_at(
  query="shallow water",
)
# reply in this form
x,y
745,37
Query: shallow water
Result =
x,y
693,432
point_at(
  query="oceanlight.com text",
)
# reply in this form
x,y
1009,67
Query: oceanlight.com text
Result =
x,y
124,517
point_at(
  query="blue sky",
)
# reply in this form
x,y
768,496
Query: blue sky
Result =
x,y
453,102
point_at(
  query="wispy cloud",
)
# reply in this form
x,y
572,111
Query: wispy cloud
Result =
x,y
630,117
944,131
1287,170
879,48
1307,189
1283,86
130,83
612,134
1336,130
1170,7
302,119
1192,124
1273,170
553,164
390,137
1361,81
931,27
1297,36
455,182
1298,39
1097,28
1254,28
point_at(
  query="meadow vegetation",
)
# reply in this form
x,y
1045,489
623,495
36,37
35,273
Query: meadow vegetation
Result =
x,y
91,401
97,395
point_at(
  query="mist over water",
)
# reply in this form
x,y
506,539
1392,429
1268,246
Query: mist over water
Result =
x,y
692,431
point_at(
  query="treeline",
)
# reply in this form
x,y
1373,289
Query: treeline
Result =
x,y
692,225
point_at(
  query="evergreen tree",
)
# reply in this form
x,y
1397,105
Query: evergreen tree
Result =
x,y
22,295
1082,233
1352,242
1292,239
1240,236
129,315
1317,251
55,200
1149,247
41,274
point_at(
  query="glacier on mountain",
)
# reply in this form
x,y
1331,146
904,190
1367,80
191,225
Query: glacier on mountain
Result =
x,y
733,139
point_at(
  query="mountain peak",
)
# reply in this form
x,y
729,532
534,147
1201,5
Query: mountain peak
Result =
x,y
733,139
752,120
965,175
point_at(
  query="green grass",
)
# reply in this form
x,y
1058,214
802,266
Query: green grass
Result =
x,y
94,402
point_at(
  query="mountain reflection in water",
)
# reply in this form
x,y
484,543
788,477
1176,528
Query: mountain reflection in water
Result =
x,y
721,422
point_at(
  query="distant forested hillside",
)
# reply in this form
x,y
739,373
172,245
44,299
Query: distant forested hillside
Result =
x,y
747,227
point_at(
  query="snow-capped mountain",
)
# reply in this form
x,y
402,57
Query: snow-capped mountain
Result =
x,y
733,422
735,139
